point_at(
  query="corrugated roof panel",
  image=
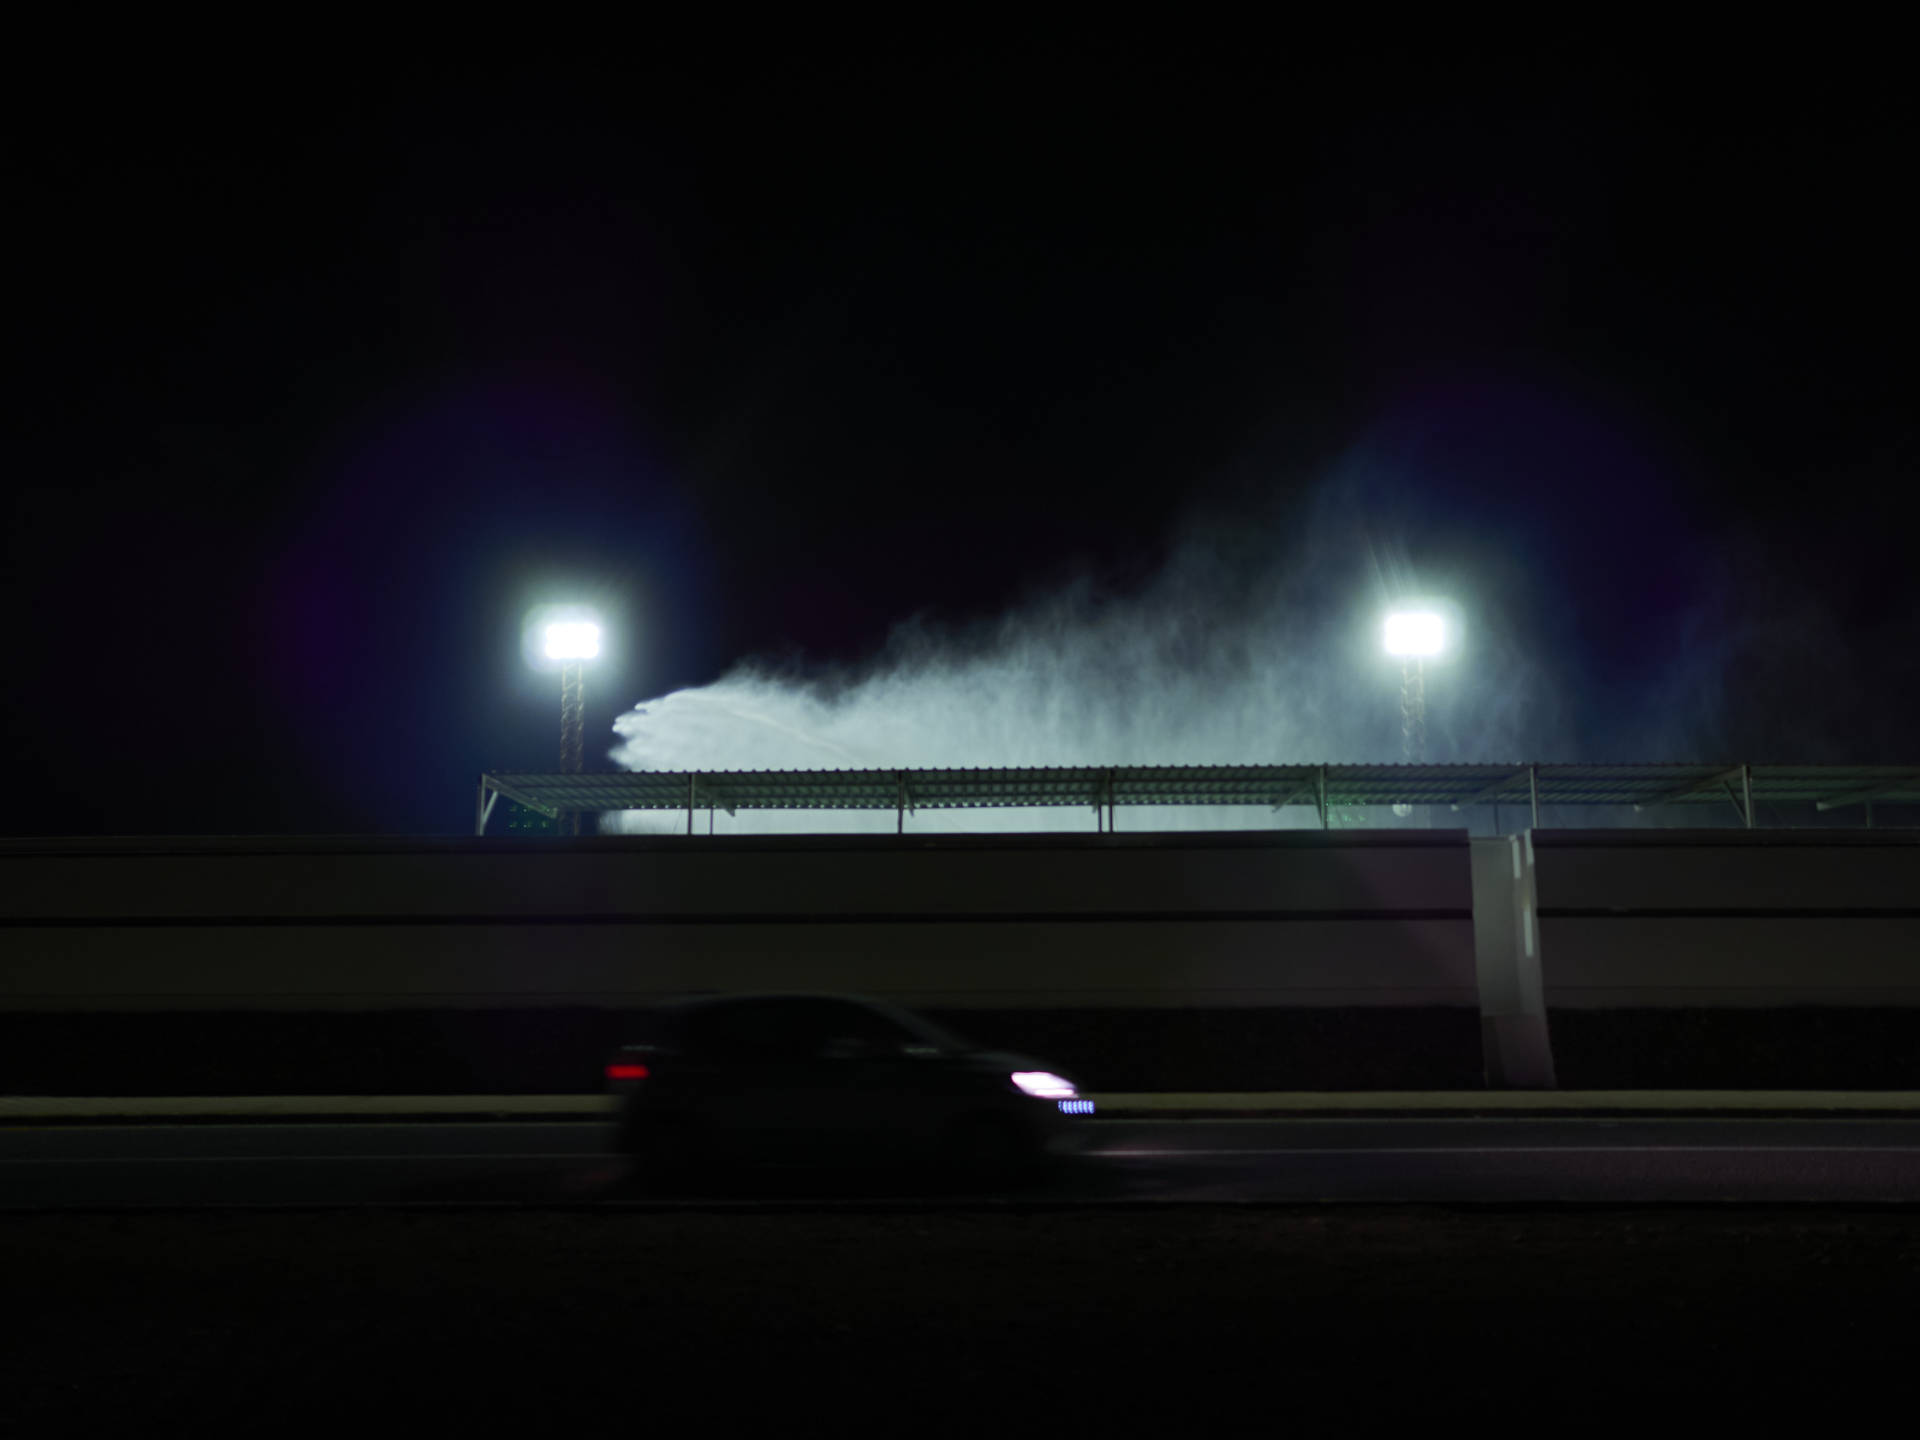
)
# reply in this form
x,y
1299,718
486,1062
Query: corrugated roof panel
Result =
x,y
1205,785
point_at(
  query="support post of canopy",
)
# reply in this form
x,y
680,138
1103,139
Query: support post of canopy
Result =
x,y
1533,793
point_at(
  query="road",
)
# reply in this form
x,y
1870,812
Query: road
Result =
x,y
1402,1160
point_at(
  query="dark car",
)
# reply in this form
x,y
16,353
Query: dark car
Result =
x,y
830,1080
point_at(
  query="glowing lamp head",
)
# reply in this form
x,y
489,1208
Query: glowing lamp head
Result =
x,y
1415,633
573,640
1044,1085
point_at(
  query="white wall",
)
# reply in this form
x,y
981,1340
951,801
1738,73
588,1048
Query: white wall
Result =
x,y
1262,918
1729,918
1648,918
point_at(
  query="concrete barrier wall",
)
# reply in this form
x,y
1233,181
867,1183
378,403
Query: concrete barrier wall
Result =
x,y
1283,918
1287,918
1269,960
1716,919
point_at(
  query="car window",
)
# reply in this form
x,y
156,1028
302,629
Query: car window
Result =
x,y
740,1030
924,1033
845,1021
790,1029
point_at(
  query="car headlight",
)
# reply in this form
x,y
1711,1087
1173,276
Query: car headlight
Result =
x,y
1044,1085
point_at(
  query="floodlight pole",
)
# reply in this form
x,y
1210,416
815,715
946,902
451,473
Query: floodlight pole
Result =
x,y
573,708
1413,709
1413,721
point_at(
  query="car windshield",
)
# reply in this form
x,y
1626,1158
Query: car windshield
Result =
x,y
928,1032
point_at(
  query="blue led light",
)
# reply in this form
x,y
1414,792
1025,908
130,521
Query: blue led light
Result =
x,y
1076,1107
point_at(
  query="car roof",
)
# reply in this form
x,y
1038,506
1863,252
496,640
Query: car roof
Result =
x,y
693,1002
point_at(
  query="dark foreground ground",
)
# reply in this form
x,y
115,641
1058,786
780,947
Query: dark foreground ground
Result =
x,y
1803,1159
1193,1320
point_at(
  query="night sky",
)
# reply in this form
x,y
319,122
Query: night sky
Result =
x,y
326,379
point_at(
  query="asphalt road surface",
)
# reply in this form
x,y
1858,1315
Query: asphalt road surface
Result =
x,y
1397,1160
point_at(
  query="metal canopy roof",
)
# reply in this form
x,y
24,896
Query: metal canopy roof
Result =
x,y
1109,787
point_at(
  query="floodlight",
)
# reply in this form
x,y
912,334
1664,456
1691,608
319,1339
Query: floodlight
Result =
x,y
573,640
1415,633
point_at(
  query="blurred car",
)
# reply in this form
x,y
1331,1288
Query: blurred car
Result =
x,y
831,1080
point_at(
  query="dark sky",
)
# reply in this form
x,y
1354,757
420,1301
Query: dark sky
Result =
x,y
328,378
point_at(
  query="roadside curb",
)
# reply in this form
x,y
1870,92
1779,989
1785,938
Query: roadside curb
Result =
x,y
1197,1106
1305,1104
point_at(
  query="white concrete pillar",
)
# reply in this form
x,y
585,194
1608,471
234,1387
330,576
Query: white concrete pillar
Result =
x,y
1506,948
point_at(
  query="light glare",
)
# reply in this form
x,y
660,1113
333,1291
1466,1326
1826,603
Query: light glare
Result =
x,y
1414,632
573,640
1044,1085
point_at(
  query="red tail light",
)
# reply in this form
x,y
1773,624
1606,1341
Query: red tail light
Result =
x,y
626,1070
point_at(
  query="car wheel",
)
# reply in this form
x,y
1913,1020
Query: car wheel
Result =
x,y
662,1145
